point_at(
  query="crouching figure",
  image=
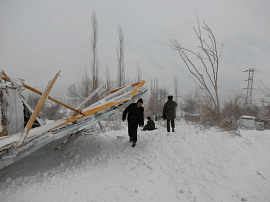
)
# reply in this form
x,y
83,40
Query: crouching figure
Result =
x,y
150,125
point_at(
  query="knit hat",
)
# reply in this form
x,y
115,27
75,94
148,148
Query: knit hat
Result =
x,y
170,97
148,117
140,101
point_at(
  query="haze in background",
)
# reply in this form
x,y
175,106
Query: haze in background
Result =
x,y
38,38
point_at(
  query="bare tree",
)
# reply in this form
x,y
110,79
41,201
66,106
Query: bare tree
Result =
x,y
266,92
207,77
85,86
192,102
108,81
233,108
129,80
32,100
120,58
94,59
51,112
175,85
157,99
80,90
72,92
232,111
139,72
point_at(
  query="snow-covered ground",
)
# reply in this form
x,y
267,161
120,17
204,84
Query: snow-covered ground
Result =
x,y
188,165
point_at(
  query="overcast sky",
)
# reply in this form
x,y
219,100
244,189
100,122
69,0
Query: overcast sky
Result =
x,y
38,38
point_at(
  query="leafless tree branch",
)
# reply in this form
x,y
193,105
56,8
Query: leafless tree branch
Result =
x,y
120,58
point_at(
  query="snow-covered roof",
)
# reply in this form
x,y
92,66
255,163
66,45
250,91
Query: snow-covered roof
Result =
x,y
247,117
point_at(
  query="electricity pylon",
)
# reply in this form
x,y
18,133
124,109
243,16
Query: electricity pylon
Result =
x,y
249,88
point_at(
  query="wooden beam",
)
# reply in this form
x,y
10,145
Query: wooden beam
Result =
x,y
88,113
137,88
37,110
5,76
50,98
100,108
40,93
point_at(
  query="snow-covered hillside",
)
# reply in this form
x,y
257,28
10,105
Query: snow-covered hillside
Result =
x,y
188,165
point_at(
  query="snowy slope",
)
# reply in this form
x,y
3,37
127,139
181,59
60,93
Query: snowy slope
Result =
x,y
188,165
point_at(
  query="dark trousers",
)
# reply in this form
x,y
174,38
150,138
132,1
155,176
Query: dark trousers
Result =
x,y
132,132
168,124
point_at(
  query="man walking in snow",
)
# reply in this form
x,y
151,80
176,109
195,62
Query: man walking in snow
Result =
x,y
169,112
135,117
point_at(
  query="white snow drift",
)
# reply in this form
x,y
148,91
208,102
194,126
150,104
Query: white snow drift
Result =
x,y
188,165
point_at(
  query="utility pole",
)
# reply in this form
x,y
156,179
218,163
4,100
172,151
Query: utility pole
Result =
x,y
249,87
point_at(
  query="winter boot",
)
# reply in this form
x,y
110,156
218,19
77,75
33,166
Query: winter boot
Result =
x,y
133,144
172,129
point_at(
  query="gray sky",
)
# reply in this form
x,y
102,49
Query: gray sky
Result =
x,y
38,38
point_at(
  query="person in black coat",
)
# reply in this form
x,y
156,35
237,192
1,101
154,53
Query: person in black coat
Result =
x,y
169,112
150,125
135,117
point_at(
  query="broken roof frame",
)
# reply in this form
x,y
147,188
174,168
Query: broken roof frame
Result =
x,y
19,145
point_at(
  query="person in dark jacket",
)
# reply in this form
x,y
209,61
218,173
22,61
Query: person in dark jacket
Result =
x,y
150,125
135,117
169,112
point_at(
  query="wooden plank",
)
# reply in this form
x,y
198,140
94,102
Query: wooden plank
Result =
x,y
50,98
87,113
137,88
100,108
37,110
135,84
5,76
40,93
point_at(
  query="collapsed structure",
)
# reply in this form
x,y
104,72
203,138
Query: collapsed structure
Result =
x,y
11,111
21,134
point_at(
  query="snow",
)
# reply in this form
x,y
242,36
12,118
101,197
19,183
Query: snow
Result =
x,y
188,165
5,84
16,82
32,133
47,121
6,140
248,117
